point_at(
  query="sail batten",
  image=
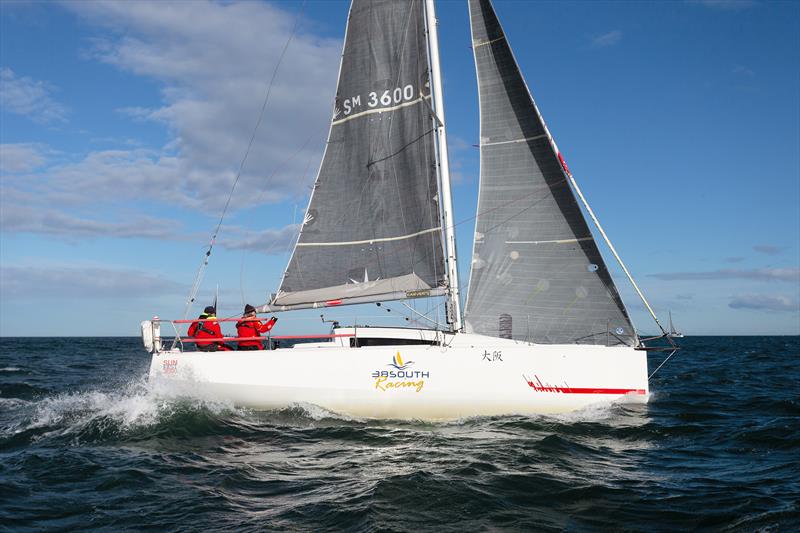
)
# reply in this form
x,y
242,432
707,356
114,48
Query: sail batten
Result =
x,y
372,241
521,140
372,229
537,273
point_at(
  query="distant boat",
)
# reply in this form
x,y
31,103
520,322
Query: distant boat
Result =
x,y
675,334
545,327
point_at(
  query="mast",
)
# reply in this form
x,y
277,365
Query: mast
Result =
x,y
446,201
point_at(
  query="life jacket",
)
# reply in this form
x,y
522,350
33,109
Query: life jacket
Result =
x,y
251,327
205,330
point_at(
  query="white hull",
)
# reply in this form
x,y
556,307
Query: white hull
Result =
x,y
473,375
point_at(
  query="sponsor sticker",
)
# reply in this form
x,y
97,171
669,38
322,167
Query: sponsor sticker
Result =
x,y
421,293
403,376
170,366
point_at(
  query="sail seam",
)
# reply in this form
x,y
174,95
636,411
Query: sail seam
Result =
x,y
557,241
525,139
484,43
370,241
380,110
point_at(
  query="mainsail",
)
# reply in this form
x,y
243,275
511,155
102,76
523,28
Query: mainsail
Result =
x,y
537,273
372,230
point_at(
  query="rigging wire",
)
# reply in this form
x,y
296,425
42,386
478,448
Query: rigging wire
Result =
x,y
662,364
241,276
201,271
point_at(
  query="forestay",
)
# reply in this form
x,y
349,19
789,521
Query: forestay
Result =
x,y
372,229
537,273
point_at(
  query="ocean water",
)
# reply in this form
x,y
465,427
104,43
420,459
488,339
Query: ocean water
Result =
x,y
86,443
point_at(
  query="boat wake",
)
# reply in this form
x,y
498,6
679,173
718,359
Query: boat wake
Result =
x,y
138,408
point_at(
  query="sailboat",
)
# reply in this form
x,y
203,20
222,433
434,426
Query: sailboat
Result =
x,y
673,333
544,329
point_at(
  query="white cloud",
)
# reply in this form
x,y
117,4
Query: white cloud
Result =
x,y
269,241
460,151
725,5
768,249
83,282
607,39
214,62
31,98
20,157
743,71
112,175
25,213
44,220
760,274
764,302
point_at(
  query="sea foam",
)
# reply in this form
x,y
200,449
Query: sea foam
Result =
x,y
136,405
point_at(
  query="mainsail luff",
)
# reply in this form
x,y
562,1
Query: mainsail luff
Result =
x,y
537,273
372,229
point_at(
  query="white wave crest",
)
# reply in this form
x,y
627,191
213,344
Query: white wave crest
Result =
x,y
316,412
13,403
135,405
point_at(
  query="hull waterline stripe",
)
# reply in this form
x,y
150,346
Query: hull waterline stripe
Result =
x,y
559,241
525,139
538,386
379,110
573,390
370,241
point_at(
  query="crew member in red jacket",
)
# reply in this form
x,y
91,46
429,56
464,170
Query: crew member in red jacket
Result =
x,y
208,329
250,326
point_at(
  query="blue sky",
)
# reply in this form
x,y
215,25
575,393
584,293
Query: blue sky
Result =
x,y
123,125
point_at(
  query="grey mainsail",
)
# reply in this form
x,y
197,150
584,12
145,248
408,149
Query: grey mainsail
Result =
x,y
537,273
372,230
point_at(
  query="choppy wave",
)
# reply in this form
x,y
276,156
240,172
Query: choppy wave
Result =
x,y
90,444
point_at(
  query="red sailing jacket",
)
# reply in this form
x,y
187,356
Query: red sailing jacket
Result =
x,y
253,328
206,330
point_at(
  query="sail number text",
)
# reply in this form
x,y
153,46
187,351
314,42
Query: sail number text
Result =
x,y
373,99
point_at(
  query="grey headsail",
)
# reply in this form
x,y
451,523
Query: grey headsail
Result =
x,y
372,230
537,273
